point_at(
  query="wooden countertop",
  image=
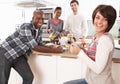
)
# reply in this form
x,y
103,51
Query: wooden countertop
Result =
x,y
116,38
67,55
116,60
64,54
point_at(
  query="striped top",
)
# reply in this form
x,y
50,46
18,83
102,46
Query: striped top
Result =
x,y
92,49
99,71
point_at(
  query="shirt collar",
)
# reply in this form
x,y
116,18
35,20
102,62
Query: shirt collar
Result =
x,y
33,27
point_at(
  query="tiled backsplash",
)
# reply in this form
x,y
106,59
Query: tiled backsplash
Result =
x,y
113,31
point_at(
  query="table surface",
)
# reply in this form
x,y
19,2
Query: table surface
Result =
x,y
64,54
68,55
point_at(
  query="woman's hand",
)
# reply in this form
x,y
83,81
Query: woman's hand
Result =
x,y
50,30
74,48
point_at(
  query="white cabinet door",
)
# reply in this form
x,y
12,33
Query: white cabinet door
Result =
x,y
116,72
70,69
56,69
52,70
44,69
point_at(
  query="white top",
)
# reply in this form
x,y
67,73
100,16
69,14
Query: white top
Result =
x,y
76,25
99,71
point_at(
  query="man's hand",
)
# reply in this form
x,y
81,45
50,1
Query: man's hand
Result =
x,y
56,49
49,49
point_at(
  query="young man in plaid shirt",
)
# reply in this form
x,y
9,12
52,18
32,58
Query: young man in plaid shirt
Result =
x,y
16,49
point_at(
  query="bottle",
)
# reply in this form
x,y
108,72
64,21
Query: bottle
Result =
x,y
70,38
54,37
81,44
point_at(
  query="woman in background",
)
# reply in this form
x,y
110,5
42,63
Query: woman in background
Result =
x,y
55,24
98,57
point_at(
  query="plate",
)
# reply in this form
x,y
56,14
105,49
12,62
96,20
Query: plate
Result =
x,y
49,44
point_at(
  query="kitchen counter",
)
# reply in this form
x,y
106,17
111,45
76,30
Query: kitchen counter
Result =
x,y
68,55
56,68
61,66
64,54
116,60
116,56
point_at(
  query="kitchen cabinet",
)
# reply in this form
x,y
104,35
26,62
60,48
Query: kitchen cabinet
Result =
x,y
56,69
69,69
52,70
44,69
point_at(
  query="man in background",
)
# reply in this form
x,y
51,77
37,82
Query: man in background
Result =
x,y
75,23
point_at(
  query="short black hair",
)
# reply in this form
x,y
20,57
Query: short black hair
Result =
x,y
107,11
74,1
58,8
38,10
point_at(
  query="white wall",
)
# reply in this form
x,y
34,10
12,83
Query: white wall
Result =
x,y
86,6
11,15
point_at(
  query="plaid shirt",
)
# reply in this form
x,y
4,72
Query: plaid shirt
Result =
x,y
22,41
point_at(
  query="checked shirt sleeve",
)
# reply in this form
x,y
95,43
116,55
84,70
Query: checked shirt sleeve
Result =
x,y
27,37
